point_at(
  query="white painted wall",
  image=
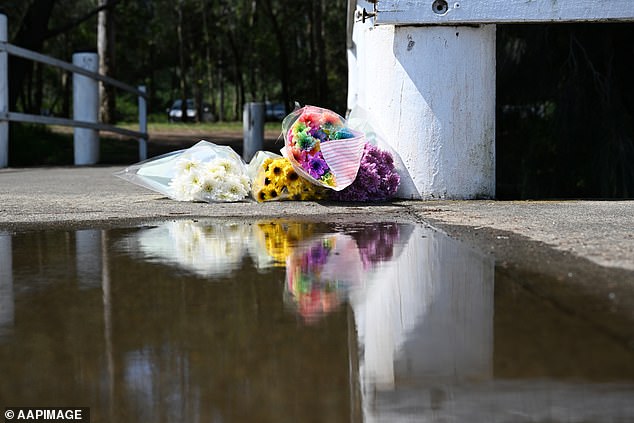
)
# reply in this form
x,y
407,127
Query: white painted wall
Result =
x,y
405,12
432,92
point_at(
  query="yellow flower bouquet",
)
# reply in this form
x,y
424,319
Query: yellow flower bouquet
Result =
x,y
274,179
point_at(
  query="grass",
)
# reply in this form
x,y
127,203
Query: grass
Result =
x,y
200,127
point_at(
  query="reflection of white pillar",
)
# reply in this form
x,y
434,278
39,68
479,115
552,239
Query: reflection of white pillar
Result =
x,y
88,256
426,317
6,285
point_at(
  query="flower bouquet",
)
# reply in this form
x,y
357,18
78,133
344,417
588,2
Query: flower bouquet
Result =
x,y
274,178
377,178
204,172
321,148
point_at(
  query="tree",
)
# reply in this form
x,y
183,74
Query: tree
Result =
x,y
105,49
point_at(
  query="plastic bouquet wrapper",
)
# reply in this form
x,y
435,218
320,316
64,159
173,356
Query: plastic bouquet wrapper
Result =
x,y
321,148
274,178
204,172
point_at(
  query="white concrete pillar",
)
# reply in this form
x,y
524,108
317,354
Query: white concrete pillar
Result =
x,y
86,108
432,91
253,125
4,94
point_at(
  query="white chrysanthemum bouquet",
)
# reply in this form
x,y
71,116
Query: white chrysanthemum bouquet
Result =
x,y
205,172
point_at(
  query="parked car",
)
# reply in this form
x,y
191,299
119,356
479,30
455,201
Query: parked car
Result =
x,y
175,112
274,111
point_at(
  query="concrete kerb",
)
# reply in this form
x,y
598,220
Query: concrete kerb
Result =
x,y
599,231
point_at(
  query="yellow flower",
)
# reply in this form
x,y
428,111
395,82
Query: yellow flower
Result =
x,y
280,237
278,180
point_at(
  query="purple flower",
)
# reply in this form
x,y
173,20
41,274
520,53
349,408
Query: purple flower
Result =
x,y
319,134
376,179
317,165
318,255
376,243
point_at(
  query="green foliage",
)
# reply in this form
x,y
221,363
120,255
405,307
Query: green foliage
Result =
x,y
33,145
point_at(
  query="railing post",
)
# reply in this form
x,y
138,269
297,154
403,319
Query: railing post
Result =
x,y
142,125
4,95
253,125
86,108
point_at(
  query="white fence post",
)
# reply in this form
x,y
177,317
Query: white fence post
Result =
x,y
142,125
86,108
253,125
4,95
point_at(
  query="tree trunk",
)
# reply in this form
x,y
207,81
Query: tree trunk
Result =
x,y
208,63
31,35
106,49
283,59
39,89
181,61
238,76
322,75
221,83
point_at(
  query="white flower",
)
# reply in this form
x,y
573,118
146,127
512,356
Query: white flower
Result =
x,y
228,165
217,180
188,165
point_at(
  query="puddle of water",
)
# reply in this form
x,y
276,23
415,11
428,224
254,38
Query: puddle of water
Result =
x,y
294,321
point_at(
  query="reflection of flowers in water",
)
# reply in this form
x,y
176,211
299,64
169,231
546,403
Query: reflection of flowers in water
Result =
x,y
306,290
205,249
279,237
320,275
376,243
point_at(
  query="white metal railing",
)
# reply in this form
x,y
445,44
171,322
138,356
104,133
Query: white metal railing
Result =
x,y
85,90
